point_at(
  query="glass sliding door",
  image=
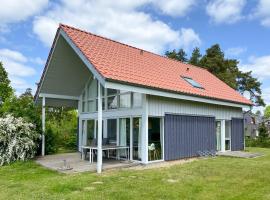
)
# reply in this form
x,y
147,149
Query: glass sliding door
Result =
x,y
90,132
218,133
84,133
136,138
154,139
112,130
124,134
228,135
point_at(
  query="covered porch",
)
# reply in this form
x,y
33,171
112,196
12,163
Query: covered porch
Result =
x,y
112,121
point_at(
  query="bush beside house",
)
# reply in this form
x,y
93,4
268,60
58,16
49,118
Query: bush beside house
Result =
x,y
18,139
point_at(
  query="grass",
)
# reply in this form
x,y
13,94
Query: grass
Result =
x,y
217,178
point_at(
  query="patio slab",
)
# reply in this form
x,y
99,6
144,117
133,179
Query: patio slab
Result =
x,y
77,165
240,154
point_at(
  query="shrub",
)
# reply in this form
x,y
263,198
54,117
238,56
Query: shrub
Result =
x,y
18,139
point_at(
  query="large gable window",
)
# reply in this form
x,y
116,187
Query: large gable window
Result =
x,y
193,82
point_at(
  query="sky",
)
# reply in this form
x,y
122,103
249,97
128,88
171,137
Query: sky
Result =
x,y
241,27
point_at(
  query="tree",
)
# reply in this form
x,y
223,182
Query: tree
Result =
x,y
227,70
246,82
23,106
5,88
267,112
180,55
195,57
263,131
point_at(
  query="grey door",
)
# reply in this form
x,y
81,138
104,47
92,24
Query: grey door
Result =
x,y
237,135
186,135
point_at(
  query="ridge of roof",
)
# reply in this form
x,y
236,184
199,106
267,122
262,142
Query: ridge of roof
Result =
x,y
121,43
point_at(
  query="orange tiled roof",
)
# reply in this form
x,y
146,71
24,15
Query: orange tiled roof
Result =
x,y
124,63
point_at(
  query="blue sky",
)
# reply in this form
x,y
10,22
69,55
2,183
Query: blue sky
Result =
x,y
241,27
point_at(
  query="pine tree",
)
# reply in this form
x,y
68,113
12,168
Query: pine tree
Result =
x,y
180,55
195,57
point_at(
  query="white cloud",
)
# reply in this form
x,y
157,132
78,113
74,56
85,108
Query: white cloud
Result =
x,y
235,51
259,66
18,10
263,12
225,11
189,39
17,67
175,7
14,55
120,20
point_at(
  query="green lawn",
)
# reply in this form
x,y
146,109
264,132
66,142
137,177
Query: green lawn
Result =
x,y
216,178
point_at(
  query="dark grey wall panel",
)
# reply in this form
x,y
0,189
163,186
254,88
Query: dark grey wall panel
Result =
x,y
237,137
186,135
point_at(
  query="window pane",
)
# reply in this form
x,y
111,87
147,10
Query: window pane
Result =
x,y
103,104
125,100
137,138
137,100
83,106
228,129
154,139
92,89
124,132
193,82
112,102
90,131
91,106
111,130
111,92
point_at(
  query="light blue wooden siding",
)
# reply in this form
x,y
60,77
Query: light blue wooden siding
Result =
x,y
158,106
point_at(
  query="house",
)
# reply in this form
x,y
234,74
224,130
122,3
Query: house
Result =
x,y
251,124
159,108
266,121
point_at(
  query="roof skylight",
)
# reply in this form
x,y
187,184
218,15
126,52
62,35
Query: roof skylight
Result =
x,y
193,82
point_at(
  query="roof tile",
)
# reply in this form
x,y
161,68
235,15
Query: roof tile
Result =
x,y
121,62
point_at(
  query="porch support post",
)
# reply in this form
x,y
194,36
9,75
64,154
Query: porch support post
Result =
x,y
43,128
222,135
99,135
144,136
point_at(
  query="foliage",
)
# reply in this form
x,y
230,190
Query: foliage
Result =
x,y
23,106
195,57
180,55
61,129
5,88
17,139
257,142
211,179
262,141
226,70
267,112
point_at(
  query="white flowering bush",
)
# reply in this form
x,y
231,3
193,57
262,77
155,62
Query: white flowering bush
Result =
x,y
17,139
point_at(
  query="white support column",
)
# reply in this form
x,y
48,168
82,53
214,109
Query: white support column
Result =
x,y
131,139
99,136
43,127
144,141
222,135
80,135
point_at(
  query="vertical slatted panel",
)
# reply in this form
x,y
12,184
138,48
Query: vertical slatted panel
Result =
x,y
237,135
160,105
186,135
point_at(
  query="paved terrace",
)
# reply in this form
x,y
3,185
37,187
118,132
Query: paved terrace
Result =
x,y
76,164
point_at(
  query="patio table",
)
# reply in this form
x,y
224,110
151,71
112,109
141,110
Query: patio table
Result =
x,y
104,148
